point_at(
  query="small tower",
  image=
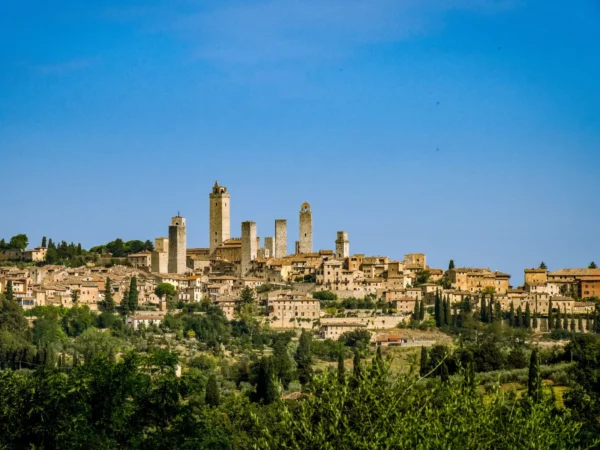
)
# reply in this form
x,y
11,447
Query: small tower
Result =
x,y
280,238
160,255
219,216
342,245
177,245
269,247
249,246
305,229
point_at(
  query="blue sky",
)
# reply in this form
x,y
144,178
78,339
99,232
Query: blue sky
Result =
x,y
465,129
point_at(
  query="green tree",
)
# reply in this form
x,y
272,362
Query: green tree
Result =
x,y
341,370
580,323
132,301
447,311
246,296
592,265
75,296
451,265
422,311
165,291
535,321
438,309
483,309
283,365
527,317
9,293
511,315
417,311
519,317
19,241
109,302
44,242
212,396
558,323
543,265
550,315
565,320
303,357
325,295
356,367
424,362
534,384
267,390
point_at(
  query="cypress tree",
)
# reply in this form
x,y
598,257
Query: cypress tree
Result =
x,y
44,242
303,357
527,323
490,316
8,291
356,365
422,311
550,318
534,384
133,295
447,311
212,396
565,320
266,386
341,370
558,323
125,303
519,319
483,309
535,321
424,363
588,323
573,328
417,311
454,316
511,315
580,323
497,312
109,301
438,308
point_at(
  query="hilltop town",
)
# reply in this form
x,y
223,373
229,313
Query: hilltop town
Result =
x,y
291,285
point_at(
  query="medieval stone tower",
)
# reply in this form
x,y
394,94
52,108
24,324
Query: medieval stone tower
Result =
x,y
280,238
269,247
305,229
177,245
342,245
220,223
249,246
160,255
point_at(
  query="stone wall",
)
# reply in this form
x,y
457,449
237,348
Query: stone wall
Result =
x,y
219,216
177,245
305,229
249,249
280,238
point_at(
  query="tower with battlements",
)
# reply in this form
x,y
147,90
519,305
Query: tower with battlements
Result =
x,y
280,238
219,217
305,242
249,246
177,245
342,245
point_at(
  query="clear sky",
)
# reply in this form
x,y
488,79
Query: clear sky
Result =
x,y
465,129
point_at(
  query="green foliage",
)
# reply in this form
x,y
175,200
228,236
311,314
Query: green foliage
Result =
x,y
108,304
534,383
303,357
165,291
118,248
360,337
543,265
592,265
267,390
9,293
324,295
212,396
95,344
423,277
78,319
20,241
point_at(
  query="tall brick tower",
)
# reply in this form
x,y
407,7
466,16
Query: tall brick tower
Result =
x,y
220,222
177,245
249,246
342,245
280,238
305,229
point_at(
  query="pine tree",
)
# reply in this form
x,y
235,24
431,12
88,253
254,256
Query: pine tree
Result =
x,y
417,311
341,370
8,291
133,295
109,301
44,242
212,396
304,357
422,311
527,316
550,314
534,384
511,315
424,361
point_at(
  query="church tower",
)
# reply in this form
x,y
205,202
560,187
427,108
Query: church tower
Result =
x,y
220,223
305,243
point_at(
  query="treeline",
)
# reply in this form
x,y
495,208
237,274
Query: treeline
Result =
x,y
18,242
119,248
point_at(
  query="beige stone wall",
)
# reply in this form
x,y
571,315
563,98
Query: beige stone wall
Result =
x,y
270,246
160,262
536,276
249,246
177,246
161,245
280,238
219,220
305,242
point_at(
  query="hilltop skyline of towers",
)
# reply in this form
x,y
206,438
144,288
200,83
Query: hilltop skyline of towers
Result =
x,y
170,254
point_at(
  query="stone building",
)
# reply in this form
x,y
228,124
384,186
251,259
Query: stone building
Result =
x,y
177,245
280,238
220,222
139,260
476,280
292,309
269,248
249,246
342,245
305,242
160,255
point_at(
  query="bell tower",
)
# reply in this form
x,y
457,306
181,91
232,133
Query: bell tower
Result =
x,y
220,222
